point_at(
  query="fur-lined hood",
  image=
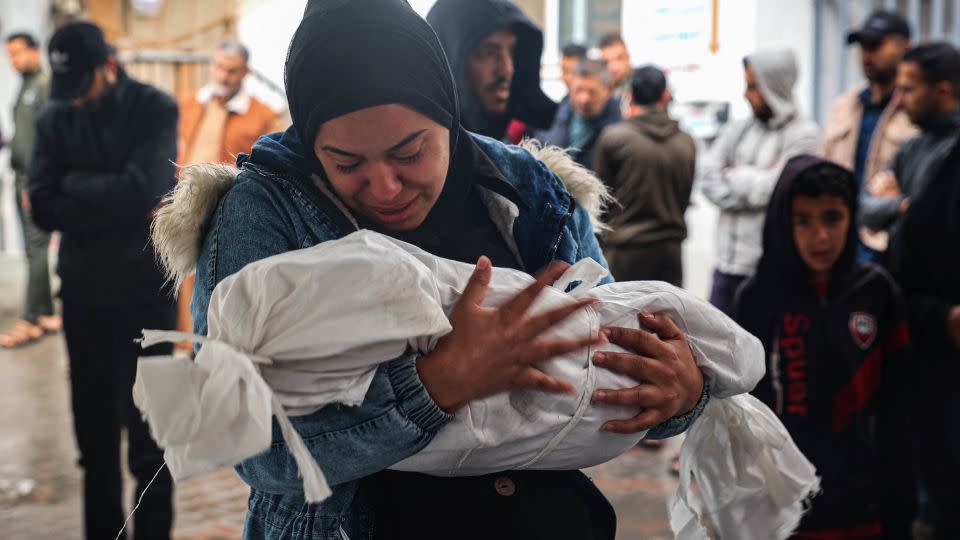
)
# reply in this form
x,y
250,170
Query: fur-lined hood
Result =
x,y
181,222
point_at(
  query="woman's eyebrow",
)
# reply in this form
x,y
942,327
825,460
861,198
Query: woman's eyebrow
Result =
x,y
406,140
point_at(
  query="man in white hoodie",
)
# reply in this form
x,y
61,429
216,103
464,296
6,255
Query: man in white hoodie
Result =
x,y
742,167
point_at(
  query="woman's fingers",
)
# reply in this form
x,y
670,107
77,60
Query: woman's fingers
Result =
x,y
545,349
641,422
534,379
662,325
517,306
476,288
638,341
539,324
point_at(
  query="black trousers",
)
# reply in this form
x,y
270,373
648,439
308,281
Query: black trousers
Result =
x,y
513,505
103,366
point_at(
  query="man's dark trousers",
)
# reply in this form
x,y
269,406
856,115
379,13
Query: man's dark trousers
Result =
x,y
103,363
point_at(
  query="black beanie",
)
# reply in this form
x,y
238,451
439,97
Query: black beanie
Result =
x,y
348,55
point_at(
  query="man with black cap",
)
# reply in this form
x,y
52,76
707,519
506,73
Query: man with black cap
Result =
x,y
494,51
648,163
103,159
868,124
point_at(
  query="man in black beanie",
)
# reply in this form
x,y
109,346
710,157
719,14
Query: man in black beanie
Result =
x,y
494,51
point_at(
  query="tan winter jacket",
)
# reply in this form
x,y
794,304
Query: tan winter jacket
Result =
x,y
840,143
843,129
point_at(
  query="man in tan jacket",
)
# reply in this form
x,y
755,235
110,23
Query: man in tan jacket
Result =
x,y
218,122
868,124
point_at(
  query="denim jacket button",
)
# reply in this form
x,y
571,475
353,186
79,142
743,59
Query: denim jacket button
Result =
x,y
505,486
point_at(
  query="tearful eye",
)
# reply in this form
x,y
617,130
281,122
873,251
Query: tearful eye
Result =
x,y
348,168
409,158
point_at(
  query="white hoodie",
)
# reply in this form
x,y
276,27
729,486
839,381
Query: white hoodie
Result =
x,y
743,164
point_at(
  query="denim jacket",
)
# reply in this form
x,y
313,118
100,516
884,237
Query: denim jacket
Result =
x,y
277,205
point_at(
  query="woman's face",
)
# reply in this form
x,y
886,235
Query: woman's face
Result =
x,y
388,163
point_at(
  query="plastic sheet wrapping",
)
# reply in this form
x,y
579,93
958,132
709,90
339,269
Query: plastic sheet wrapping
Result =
x,y
295,332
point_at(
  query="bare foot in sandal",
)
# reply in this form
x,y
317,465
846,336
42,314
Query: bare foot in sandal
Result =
x,y
23,332
50,323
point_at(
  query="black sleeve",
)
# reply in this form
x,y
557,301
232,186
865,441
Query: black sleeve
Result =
x,y
49,208
898,504
132,194
750,313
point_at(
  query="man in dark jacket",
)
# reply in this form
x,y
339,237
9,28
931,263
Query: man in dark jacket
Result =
x,y
590,108
927,265
929,84
37,317
494,51
648,163
102,160
835,334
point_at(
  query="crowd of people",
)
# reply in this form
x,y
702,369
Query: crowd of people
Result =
x,y
836,247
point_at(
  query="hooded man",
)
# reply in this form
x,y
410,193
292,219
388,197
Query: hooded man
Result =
x,y
494,51
742,167
648,163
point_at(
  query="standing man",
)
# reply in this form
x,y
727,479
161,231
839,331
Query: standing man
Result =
x,y
218,122
929,83
590,109
648,163
38,316
615,54
494,51
103,159
223,119
926,263
742,167
868,124
570,56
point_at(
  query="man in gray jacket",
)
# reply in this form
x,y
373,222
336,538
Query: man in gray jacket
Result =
x,y
929,81
742,167
648,163
37,317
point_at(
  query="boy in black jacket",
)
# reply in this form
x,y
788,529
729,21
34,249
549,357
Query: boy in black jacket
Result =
x,y
835,336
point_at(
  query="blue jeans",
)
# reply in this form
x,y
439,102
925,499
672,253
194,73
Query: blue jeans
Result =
x,y
724,290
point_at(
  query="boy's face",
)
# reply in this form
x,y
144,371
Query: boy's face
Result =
x,y
820,226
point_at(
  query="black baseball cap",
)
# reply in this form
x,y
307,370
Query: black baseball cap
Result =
x,y
879,25
76,50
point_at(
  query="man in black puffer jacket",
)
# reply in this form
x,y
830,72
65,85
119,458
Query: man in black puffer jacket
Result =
x,y
102,161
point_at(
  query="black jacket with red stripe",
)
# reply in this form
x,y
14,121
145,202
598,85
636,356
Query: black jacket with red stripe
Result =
x,y
835,375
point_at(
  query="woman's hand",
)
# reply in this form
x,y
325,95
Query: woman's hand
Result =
x,y
492,350
668,380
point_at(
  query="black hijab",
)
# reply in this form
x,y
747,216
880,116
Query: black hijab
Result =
x,y
348,55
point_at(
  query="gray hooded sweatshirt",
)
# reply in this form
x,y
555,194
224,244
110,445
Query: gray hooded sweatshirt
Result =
x,y
743,164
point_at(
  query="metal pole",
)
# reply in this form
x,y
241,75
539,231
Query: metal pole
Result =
x,y
818,19
579,21
843,23
937,16
956,22
913,15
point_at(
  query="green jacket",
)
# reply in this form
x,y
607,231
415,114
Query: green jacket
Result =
x,y
33,95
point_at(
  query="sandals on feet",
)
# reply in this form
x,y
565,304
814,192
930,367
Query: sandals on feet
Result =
x,y
22,333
